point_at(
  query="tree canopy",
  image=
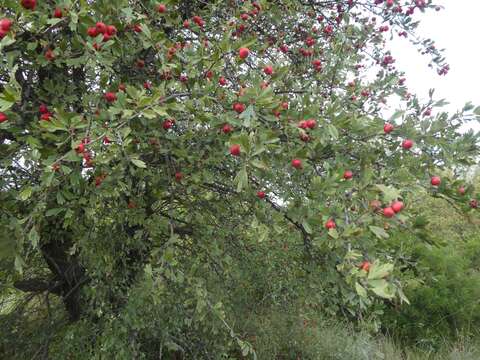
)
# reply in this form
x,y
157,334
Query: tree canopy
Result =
x,y
151,153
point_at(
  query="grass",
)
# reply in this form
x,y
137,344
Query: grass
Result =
x,y
283,336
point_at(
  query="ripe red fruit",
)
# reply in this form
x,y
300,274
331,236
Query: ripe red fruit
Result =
x,y
222,81
397,206
46,116
304,137
261,194
106,140
28,4
111,30
239,107
122,87
347,175
388,128
57,13
285,105
365,266
110,97
137,28
388,212
186,24
461,190
243,53
311,123
178,176
303,124
435,180
80,148
92,31
235,150
3,117
101,27
297,163
5,24
474,204
49,55
147,85
268,70
330,224
43,109
227,128
167,124
407,144
161,8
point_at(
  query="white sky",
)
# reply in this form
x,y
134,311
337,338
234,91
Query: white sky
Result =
x,y
456,28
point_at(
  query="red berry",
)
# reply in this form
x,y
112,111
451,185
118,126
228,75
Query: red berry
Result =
x,y
243,53
388,128
43,109
3,117
297,163
80,148
222,81
122,87
473,204
92,31
46,116
268,70
347,175
330,224
5,24
304,137
161,8
101,27
388,212
178,176
407,144
28,4
397,206
110,97
49,55
57,13
227,128
311,123
461,190
186,24
167,124
365,266
261,194
285,105
435,180
235,150
111,30
239,107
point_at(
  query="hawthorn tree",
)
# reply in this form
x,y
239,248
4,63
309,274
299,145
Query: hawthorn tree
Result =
x,y
149,150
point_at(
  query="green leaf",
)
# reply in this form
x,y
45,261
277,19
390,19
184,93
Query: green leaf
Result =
x,y
139,163
307,227
33,237
379,271
241,179
333,233
360,290
332,130
25,193
259,164
382,288
389,193
379,232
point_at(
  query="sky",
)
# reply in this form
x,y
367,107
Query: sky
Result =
x,y
456,28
